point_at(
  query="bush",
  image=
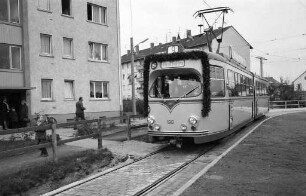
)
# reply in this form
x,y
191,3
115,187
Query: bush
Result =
x,y
26,179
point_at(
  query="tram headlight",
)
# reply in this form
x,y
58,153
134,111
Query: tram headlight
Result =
x,y
154,65
193,120
157,127
183,127
151,120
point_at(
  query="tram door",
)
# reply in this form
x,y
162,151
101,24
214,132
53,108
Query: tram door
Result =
x,y
231,115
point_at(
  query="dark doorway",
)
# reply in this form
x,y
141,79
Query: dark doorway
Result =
x,y
13,97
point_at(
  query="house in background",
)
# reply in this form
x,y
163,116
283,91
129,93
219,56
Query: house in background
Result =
x,y
299,85
233,45
53,52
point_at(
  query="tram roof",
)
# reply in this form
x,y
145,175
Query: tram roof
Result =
x,y
188,43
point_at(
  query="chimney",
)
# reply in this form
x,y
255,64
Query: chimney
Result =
x,y
128,52
152,45
188,33
173,39
137,49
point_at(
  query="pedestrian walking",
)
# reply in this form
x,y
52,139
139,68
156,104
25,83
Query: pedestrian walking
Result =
x,y
80,110
23,114
41,136
13,116
4,112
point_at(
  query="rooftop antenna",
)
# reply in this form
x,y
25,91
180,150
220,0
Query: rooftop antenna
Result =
x,y
201,13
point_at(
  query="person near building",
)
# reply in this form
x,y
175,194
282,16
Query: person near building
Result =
x,y
23,114
4,112
41,135
80,110
13,116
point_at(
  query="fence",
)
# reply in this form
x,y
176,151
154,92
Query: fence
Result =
x,y
287,104
54,143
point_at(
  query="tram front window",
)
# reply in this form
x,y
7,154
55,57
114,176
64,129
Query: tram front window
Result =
x,y
176,86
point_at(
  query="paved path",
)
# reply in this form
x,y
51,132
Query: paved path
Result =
x,y
114,142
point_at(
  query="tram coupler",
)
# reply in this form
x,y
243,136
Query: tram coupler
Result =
x,y
178,142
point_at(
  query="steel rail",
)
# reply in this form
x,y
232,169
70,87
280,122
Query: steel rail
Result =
x,y
174,172
72,185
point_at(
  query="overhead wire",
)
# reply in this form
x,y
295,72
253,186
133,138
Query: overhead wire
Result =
x,y
279,39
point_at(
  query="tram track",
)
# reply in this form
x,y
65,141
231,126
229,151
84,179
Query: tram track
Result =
x,y
151,173
205,150
80,182
173,172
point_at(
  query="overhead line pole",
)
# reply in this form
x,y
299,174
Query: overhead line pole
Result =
x,y
261,64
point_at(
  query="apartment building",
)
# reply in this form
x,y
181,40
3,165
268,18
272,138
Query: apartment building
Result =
x,y
233,45
53,52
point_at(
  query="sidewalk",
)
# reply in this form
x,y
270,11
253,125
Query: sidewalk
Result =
x,y
270,161
115,142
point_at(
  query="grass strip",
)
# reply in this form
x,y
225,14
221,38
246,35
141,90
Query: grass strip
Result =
x,y
80,164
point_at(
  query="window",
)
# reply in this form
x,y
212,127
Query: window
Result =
x,y
44,5
68,47
9,11
217,82
299,87
10,57
99,90
96,13
46,44
66,7
176,85
98,51
261,88
15,57
46,89
69,90
239,85
231,84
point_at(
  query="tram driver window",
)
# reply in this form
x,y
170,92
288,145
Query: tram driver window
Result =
x,y
173,85
217,81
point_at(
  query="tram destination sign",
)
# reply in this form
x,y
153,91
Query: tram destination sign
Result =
x,y
174,64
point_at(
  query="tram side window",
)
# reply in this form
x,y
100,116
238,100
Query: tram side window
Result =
x,y
243,85
258,88
231,84
261,88
250,91
217,88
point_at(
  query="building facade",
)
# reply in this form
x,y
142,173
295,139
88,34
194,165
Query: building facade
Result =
x,y
300,82
233,45
57,51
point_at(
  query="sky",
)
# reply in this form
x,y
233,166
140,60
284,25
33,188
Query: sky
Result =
x,y
275,28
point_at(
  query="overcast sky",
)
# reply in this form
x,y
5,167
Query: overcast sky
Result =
x,y
275,28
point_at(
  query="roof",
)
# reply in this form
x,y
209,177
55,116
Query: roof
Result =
x,y
272,80
299,76
195,41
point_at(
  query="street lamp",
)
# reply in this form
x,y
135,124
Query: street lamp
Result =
x,y
132,74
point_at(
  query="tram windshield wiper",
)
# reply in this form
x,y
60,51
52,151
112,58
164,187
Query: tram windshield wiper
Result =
x,y
187,93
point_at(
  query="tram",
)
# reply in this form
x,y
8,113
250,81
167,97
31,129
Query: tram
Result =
x,y
200,95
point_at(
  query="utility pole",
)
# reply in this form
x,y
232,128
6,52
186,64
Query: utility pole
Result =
x,y
133,80
133,75
261,64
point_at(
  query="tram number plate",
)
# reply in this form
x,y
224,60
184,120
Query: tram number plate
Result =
x,y
170,122
174,64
